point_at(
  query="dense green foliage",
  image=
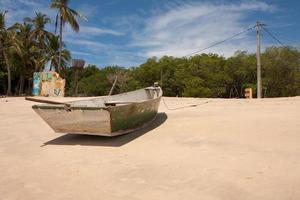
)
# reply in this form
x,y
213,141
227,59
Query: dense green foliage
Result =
x,y
27,47
205,75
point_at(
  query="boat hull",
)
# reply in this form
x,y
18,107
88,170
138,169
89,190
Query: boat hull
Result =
x,y
77,121
103,120
127,118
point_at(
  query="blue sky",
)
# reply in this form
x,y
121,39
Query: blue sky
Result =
x,y
127,32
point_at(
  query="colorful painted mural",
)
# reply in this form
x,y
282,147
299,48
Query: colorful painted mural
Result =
x,y
48,84
36,84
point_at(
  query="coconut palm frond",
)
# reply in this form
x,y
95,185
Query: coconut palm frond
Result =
x,y
78,14
65,15
2,19
56,23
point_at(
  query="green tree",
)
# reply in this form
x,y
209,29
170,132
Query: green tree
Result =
x,y
240,72
65,15
24,50
281,71
4,49
53,52
40,35
148,73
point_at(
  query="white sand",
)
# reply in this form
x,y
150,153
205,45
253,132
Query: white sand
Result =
x,y
224,149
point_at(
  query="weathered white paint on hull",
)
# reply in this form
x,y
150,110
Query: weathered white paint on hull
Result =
x,y
77,121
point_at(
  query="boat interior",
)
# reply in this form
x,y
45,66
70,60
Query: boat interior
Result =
x,y
113,100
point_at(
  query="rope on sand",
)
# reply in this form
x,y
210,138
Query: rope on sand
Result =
x,y
182,107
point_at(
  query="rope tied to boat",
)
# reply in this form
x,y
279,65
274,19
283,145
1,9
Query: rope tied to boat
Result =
x,y
182,107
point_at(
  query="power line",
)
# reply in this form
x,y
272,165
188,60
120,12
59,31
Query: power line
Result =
x,y
222,41
275,38
281,43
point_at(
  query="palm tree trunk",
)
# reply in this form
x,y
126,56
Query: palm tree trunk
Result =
x,y
50,65
36,68
8,74
29,87
60,43
21,88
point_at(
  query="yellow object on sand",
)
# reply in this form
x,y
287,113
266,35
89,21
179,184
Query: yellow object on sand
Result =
x,y
248,93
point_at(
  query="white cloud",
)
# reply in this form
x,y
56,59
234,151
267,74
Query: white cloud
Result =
x,y
81,53
19,9
88,38
125,58
187,28
87,43
98,31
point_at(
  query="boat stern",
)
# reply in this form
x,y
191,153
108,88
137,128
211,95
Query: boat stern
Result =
x,y
91,121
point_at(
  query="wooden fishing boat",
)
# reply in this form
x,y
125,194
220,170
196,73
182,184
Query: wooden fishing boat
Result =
x,y
105,115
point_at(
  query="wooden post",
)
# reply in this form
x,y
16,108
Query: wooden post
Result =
x,y
113,86
77,64
76,82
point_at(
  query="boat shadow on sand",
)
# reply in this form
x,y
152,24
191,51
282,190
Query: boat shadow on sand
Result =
x,y
117,141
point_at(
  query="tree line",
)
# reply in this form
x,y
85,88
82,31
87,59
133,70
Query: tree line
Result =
x,y
26,47
205,75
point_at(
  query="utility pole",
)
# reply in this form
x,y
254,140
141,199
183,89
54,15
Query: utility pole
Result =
x,y
259,85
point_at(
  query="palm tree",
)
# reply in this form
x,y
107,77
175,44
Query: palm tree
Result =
x,y
65,15
40,35
53,47
25,50
4,48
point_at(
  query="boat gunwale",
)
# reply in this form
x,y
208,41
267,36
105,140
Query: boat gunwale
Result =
x,y
63,106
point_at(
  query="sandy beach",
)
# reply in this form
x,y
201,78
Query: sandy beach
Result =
x,y
229,149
